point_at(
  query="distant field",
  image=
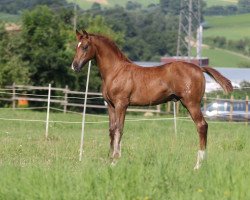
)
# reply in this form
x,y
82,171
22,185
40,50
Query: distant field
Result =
x,y
9,18
220,2
110,3
232,27
87,3
155,164
223,58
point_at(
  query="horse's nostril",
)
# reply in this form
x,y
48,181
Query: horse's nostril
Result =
x,y
74,65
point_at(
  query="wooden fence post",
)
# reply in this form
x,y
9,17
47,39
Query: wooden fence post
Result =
x,y
65,98
247,109
231,108
13,96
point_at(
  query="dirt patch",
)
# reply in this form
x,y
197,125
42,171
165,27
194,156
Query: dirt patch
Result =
x,y
12,27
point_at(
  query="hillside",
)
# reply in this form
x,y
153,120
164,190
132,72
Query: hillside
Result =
x,y
220,2
8,17
110,3
85,4
232,27
224,58
235,27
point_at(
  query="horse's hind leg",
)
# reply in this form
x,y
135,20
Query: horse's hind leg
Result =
x,y
202,127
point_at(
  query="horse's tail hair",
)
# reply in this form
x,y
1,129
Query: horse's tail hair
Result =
x,y
219,78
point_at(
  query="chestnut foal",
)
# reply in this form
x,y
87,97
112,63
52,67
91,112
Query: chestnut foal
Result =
x,y
125,83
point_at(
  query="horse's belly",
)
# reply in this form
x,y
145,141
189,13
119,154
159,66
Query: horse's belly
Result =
x,y
152,98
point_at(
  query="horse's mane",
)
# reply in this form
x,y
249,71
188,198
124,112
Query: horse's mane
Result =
x,y
112,45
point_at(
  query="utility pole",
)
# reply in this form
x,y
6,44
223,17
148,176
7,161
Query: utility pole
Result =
x,y
190,12
189,21
75,16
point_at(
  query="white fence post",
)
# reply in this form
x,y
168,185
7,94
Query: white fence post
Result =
x,y
48,109
175,123
84,112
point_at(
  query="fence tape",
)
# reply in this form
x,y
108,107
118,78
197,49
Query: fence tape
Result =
x,y
28,108
187,119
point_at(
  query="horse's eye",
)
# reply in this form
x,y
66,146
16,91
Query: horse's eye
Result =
x,y
85,47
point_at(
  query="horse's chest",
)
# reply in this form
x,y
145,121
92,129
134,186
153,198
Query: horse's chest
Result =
x,y
116,90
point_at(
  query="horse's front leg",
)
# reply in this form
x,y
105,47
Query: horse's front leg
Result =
x,y
112,126
120,111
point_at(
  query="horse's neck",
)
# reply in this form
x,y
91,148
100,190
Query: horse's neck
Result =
x,y
108,58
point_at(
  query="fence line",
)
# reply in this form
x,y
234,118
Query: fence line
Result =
x,y
28,108
188,119
66,100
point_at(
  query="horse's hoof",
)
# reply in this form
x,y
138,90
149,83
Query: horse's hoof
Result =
x,y
197,167
113,163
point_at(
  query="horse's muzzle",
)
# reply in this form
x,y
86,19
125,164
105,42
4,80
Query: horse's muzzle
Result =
x,y
75,67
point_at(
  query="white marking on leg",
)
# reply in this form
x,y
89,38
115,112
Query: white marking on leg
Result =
x,y
72,67
200,157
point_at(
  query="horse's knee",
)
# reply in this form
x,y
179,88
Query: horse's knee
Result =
x,y
202,128
112,129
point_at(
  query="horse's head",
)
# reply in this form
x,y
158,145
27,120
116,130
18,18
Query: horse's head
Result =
x,y
84,51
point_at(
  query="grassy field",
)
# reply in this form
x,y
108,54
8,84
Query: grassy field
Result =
x,y
224,58
220,2
155,163
88,3
234,27
9,18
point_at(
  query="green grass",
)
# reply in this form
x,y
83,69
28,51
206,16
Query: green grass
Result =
x,y
155,164
209,3
112,3
220,2
9,18
234,27
224,58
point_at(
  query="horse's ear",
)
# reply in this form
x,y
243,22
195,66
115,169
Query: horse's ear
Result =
x,y
79,36
85,34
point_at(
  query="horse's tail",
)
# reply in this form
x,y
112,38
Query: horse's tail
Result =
x,y
219,78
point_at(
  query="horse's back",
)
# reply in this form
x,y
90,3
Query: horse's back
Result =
x,y
155,85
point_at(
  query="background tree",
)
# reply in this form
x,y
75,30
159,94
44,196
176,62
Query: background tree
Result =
x,y
45,49
17,6
244,6
12,67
